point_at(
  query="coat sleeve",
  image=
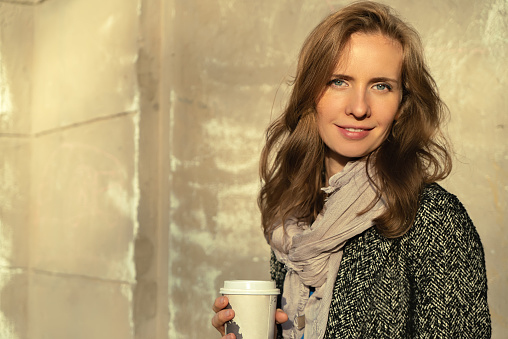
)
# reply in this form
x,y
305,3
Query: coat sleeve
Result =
x,y
278,273
450,282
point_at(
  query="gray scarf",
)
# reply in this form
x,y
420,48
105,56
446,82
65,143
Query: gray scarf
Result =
x,y
312,254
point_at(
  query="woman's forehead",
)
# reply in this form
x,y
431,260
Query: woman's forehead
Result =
x,y
370,50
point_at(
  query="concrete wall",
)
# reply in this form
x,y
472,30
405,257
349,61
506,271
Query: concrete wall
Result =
x,y
130,133
74,261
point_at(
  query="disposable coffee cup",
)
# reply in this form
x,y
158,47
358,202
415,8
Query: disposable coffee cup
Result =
x,y
254,303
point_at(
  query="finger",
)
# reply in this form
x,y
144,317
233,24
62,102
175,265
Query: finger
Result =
x,y
222,317
218,326
229,336
280,316
220,303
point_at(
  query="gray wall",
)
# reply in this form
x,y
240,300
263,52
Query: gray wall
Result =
x,y
130,133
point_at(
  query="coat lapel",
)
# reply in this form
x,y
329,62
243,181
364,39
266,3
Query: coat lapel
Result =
x,y
353,300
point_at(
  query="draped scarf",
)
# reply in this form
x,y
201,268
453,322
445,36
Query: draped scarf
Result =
x,y
312,253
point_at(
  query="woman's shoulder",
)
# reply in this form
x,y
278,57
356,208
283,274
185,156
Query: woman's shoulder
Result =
x,y
442,220
434,195
439,205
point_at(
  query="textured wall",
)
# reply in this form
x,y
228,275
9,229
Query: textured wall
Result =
x,y
228,63
15,78
84,169
231,58
69,182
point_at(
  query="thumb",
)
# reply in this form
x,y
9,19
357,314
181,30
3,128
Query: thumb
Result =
x,y
281,316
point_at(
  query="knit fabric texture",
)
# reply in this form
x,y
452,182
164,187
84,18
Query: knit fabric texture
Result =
x,y
429,283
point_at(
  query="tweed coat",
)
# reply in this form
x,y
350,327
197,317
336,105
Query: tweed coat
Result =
x,y
429,283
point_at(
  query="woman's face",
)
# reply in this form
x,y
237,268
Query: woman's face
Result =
x,y
361,99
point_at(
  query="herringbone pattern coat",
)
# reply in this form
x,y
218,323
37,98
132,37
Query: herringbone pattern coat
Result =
x,y
429,283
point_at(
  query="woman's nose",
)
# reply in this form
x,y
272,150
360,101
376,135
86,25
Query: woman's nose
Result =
x,y
358,105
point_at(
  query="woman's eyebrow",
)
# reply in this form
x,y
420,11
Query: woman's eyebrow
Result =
x,y
342,76
385,79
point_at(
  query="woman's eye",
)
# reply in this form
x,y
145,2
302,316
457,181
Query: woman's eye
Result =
x,y
338,83
382,87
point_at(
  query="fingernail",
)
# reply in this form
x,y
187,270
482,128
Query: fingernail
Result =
x,y
222,300
228,313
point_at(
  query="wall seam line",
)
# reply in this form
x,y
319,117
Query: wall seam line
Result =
x,y
23,3
82,276
83,123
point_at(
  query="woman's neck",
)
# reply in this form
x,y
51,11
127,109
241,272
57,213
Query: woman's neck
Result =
x,y
333,166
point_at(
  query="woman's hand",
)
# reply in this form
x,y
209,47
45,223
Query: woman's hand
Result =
x,y
223,315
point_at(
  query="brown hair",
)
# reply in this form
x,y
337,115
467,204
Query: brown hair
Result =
x,y
414,154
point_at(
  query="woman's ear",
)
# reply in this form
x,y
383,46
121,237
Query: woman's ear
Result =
x,y
402,104
397,115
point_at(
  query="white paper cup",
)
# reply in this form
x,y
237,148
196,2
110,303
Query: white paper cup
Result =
x,y
254,303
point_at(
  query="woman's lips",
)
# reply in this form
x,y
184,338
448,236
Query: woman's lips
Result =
x,y
354,133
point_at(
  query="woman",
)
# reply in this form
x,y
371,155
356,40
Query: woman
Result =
x,y
365,243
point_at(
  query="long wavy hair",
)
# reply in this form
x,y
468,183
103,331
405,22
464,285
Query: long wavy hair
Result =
x,y
414,154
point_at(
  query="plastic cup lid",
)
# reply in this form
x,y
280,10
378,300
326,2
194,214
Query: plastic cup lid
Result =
x,y
250,287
